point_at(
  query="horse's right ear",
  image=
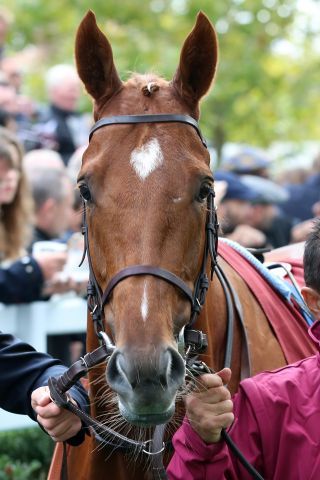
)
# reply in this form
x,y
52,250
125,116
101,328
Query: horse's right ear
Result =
x,y
94,60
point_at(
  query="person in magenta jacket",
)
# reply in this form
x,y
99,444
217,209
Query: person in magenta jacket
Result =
x,y
273,419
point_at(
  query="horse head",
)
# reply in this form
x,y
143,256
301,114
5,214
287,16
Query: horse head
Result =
x,y
145,186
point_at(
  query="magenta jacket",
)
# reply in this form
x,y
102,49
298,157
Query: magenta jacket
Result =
x,y
277,428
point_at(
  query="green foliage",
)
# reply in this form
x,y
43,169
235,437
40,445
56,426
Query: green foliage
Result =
x,y
16,470
261,93
25,454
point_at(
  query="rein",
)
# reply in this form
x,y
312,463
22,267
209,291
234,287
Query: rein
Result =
x,y
190,342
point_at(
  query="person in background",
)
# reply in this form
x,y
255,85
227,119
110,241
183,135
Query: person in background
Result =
x,y
24,374
23,277
302,197
73,169
60,122
40,158
234,212
316,209
7,120
20,108
16,202
8,96
303,203
52,193
300,231
266,214
291,176
273,419
12,69
248,161
74,164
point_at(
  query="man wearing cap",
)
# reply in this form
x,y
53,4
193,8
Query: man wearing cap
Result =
x,y
234,211
266,214
248,160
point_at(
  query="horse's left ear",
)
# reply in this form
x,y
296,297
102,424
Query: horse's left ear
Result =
x,y
198,61
94,60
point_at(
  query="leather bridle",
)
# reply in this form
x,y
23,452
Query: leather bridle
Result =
x,y
98,299
191,342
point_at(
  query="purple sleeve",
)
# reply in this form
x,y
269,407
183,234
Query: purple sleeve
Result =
x,y
193,456
193,459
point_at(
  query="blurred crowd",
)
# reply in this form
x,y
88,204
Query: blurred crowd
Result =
x,y
258,210
41,147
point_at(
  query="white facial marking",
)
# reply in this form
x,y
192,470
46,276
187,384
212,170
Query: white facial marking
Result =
x,y
144,303
146,158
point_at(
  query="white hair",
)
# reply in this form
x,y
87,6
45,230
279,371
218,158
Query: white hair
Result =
x,y
74,163
42,158
58,73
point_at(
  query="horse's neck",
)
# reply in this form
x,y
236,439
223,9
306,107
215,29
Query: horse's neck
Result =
x,y
264,350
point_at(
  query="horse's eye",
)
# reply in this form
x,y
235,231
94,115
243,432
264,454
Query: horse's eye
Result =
x,y
204,192
85,192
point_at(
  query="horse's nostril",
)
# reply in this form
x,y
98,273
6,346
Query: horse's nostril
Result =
x,y
116,376
177,372
163,381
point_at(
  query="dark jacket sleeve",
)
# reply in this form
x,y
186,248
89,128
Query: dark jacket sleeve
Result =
x,y
22,370
22,282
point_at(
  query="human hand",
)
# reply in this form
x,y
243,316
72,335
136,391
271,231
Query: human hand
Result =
x,y
301,231
59,423
316,209
50,263
60,283
248,236
209,410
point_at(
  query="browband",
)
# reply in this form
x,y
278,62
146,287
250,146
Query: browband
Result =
x,y
162,118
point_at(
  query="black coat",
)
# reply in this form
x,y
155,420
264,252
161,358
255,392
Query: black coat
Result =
x,y
22,370
22,282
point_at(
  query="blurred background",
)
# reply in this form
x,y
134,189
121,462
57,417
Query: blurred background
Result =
x,y
266,89
260,119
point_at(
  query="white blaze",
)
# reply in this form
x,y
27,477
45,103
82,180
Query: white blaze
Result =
x,y
144,303
146,158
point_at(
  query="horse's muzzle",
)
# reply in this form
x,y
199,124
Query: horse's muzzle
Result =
x,y
146,383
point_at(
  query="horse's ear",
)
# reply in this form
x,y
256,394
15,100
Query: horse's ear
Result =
x,y
198,61
94,60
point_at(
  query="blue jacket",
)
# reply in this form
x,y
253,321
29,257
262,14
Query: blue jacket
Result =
x,y
22,282
22,370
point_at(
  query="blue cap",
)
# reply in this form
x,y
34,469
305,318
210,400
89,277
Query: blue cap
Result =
x,y
236,189
247,160
268,191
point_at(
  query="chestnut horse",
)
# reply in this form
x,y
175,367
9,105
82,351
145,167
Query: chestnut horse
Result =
x,y
146,187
